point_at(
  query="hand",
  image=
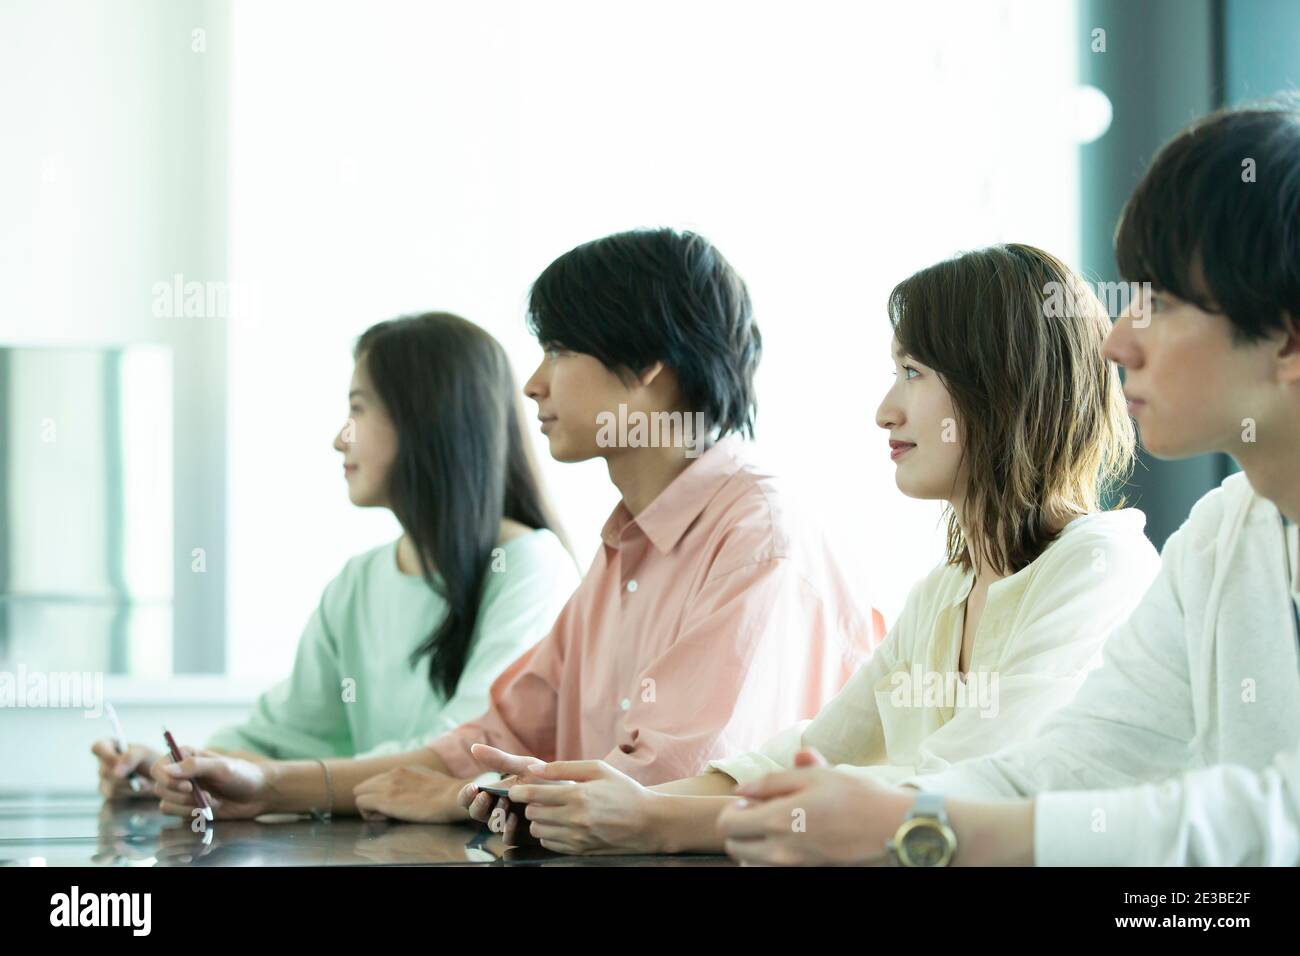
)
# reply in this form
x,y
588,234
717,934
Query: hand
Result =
x,y
236,789
497,812
604,811
115,770
812,816
418,794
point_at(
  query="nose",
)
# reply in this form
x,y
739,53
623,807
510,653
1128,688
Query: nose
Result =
x,y
340,446
889,415
536,386
1121,344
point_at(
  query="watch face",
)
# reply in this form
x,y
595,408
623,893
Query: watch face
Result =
x,y
925,846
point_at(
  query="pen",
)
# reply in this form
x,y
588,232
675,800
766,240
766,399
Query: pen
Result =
x,y
120,744
176,757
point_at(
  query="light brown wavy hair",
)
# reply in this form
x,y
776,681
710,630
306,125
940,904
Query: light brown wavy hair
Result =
x,y
1015,335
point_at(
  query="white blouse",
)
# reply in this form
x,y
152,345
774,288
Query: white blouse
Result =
x,y
907,710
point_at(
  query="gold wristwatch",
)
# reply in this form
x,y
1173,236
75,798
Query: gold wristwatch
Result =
x,y
924,838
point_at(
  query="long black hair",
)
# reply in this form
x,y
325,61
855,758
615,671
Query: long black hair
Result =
x,y
462,463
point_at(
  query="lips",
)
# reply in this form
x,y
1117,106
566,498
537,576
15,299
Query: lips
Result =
x,y
547,421
899,448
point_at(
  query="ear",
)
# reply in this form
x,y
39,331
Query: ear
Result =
x,y
649,374
1288,355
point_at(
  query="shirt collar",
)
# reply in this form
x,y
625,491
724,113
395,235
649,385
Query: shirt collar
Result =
x,y
675,509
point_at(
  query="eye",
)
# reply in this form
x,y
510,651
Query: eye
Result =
x,y
911,372
356,409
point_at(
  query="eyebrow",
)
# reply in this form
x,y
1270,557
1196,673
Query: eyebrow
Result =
x,y
355,392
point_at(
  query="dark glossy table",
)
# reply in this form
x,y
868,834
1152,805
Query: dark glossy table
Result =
x,y
40,830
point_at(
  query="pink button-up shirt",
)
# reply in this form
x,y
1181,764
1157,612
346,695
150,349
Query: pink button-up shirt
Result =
x,y
706,624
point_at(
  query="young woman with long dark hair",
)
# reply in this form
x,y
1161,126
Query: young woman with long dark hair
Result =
x,y
408,638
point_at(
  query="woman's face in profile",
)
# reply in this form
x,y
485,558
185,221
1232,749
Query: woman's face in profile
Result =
x,y
924,443
368,442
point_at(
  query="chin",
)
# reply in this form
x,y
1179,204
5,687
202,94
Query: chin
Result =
x,y
913,488
361,499
567,454
1165,447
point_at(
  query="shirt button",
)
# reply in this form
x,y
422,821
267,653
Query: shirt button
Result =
x,y
631,585
626,704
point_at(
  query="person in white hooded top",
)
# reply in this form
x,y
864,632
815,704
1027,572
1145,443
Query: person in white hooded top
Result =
x,y
1183,748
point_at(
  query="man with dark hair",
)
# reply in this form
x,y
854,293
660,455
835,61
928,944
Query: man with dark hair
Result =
x,y
710,617
1184,747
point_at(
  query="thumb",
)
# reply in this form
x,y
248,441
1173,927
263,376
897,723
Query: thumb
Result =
x,y
130,761
810,757
775,785
192,766
494,759
104,748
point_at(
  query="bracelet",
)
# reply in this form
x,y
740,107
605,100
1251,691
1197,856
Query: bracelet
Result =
x,y
329,793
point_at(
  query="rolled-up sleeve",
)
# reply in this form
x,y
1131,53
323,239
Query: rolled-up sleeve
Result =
x,y
521,715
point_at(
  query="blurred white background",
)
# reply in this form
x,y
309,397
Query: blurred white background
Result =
x,y
393,157
335,164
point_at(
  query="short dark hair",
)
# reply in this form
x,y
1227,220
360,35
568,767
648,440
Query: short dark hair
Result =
x,y
657,295
1196,227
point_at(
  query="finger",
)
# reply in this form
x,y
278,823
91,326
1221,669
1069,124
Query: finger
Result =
x,y
193,766
371,784
481,807
368,806
517,831
549,794
499,760
571,770
776,784
810,757
177,809
179,790
498,816
173,794
104,749
546,831
552,816
753,852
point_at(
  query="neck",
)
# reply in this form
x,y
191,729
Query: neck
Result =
x,y
408,561
984,575
1274,471
641,474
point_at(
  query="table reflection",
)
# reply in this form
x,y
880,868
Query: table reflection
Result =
x,y
85,831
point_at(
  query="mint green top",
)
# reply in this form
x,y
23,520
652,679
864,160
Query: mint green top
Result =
x,y
353,691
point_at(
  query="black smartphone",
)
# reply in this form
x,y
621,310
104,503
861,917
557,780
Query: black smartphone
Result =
x,y
499,791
